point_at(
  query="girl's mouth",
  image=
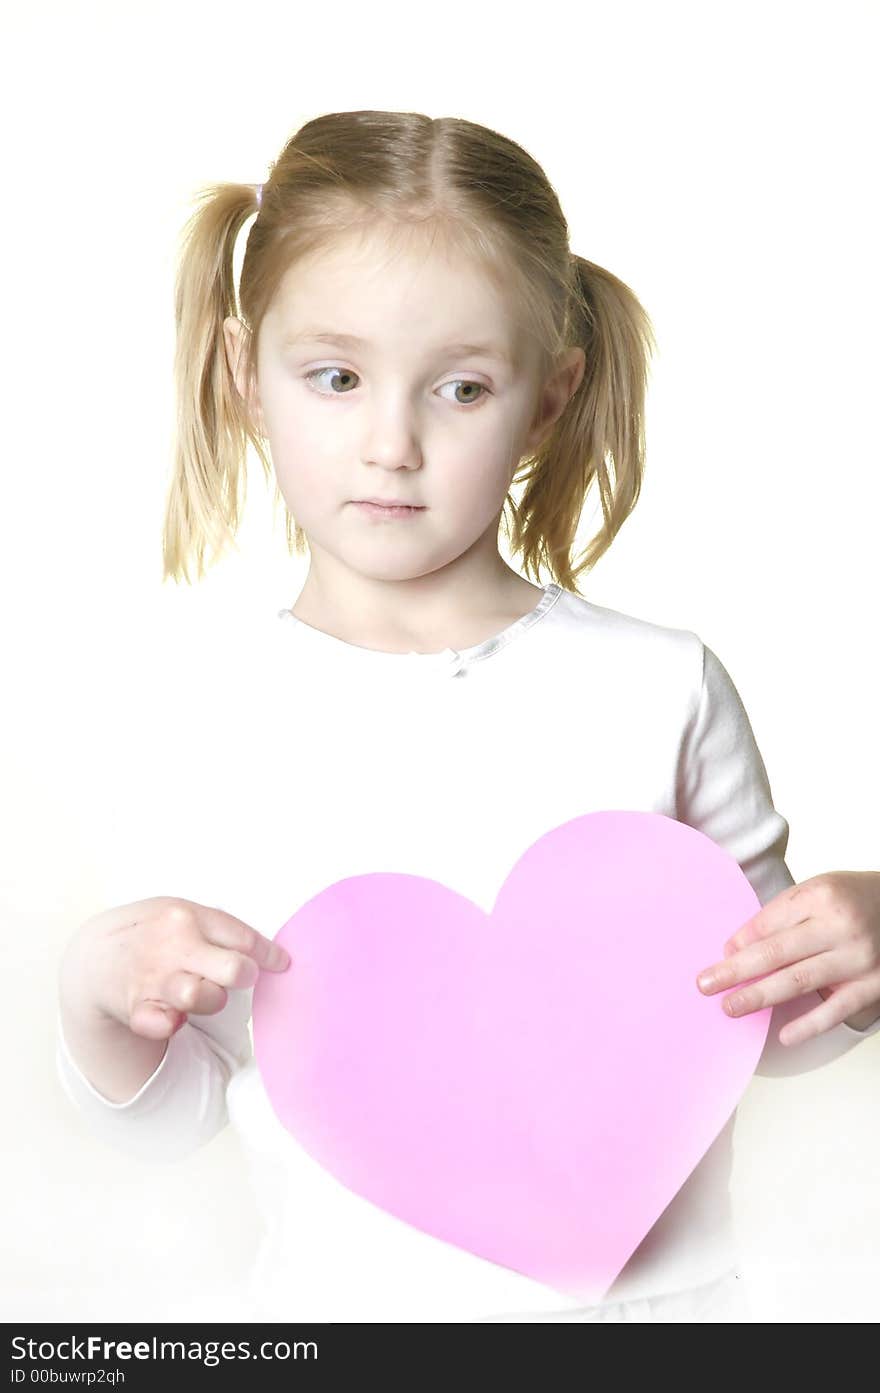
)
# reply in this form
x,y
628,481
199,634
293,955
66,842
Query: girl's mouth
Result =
x,y
385,511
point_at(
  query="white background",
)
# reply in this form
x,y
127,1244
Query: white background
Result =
x,y
719,160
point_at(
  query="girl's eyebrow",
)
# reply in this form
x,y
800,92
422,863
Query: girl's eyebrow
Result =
x,y
482,350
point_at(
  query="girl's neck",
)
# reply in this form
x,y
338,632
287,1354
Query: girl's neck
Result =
x,y
516,599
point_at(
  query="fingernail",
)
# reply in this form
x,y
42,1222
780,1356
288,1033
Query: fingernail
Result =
x,y
705,981
280,956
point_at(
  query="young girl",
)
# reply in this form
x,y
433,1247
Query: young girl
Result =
x,y
412,335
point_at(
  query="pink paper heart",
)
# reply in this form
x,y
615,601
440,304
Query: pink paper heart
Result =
x,y
532,1085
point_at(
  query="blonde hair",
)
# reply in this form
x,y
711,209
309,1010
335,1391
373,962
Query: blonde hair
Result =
x,y
356,171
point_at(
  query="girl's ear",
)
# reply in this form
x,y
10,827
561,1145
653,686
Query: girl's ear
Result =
x,y
233,333
556,393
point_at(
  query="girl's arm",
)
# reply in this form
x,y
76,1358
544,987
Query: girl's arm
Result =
x,y
723,790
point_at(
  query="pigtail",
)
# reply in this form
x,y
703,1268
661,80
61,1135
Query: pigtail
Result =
x,y
208,485
603,423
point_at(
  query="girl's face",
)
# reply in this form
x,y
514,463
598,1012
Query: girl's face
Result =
x,y
409,413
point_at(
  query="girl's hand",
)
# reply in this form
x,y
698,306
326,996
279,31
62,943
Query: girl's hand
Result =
x,y
148,963
823,933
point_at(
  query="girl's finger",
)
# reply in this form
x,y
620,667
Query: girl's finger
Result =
x,y
226,966
847,1000
155,1021
227,931
186,991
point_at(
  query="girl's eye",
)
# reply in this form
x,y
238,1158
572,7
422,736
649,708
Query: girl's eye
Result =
x,y
346,372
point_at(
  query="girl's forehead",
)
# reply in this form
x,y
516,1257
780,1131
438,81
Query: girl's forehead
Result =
x,y
341,289
333,292
358,264
380,244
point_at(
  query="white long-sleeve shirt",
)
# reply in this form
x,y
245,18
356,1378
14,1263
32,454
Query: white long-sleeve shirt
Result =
x,y
339,760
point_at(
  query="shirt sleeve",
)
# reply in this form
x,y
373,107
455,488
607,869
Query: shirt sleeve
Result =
x,y
182,1105
723,790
